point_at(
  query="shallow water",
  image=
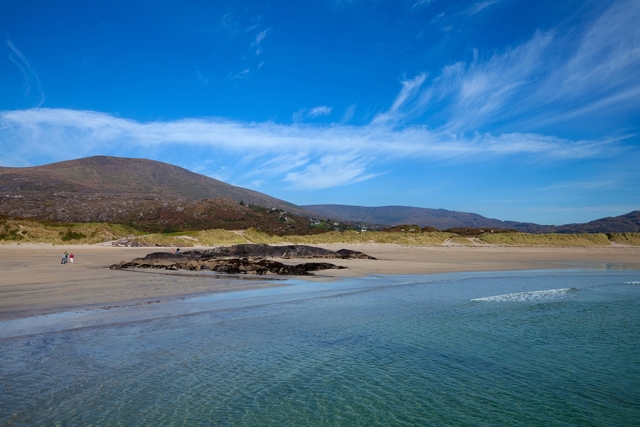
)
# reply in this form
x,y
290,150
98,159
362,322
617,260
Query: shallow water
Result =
x,y
531,348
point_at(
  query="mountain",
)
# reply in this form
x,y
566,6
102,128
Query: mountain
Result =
x,y
157,196
115,175
443,219
143,193
617,224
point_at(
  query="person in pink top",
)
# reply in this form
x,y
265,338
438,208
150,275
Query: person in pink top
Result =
x,y
71,258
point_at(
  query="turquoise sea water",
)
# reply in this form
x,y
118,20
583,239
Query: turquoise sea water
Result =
x,y
536,348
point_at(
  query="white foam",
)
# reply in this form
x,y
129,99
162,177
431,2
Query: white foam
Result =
x,y
635,282
533,296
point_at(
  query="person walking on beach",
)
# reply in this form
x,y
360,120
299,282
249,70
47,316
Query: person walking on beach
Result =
x,y
71,257
66,257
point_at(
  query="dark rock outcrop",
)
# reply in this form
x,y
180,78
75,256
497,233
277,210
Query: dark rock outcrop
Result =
x,y
244,259
286,252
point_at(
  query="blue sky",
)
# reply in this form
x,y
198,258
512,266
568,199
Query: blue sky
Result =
x,y
516,110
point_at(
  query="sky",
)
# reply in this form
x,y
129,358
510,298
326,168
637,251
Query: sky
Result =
x,y
513,109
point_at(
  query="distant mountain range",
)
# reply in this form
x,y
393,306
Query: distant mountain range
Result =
x,y
161,197
443,219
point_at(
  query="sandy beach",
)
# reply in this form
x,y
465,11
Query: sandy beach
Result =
x,y
33,282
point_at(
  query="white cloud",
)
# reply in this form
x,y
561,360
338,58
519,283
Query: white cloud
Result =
x,y
402,105
602,73
30,76
304,113
261,35
349,114
236,29
584,185
201,78
463,100
244,74
258,40
320,111
304,156
330,171
555,77
477,7
420,3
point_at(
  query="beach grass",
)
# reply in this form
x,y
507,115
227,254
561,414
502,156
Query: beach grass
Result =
x,y
48,232
220,237
459,240
214,237
170,239
352,237
551,239
25,231
632,239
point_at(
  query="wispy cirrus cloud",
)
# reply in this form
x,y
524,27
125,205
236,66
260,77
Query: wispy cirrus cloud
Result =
x,y
477,7
258,40
602,74
302,156
305,113
202,78
330,170
243,74
450,117
248,35
606,184
29,74
322,110
407,102
589,73
420,3
349,114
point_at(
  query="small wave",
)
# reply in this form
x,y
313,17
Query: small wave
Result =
x,y
533,296
635,282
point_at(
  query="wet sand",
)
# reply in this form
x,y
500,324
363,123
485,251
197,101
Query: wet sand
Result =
x,y
33,282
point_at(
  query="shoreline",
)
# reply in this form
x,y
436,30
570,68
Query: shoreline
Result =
x,y
34,283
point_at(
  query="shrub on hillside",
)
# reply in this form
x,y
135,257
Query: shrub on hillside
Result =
x,y
72,235
632,239
404,228
7,232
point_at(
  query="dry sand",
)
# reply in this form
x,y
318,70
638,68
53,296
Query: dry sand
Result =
x,y
33,282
